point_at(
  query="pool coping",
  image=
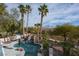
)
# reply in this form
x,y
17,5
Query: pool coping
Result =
x,y
2,48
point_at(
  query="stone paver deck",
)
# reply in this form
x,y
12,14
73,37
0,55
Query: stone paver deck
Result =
x,y
12,52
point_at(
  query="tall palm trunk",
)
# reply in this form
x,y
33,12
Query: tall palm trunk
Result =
x,y
41,26
22,15
27,22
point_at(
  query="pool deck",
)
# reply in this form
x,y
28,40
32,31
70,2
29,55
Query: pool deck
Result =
x,y
12,52
1,51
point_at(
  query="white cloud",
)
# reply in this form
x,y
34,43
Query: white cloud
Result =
x,y
67,14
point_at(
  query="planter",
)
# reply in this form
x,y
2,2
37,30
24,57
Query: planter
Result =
x,y
19,52
19,49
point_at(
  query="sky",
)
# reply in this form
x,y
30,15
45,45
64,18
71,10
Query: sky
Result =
x,y
59,13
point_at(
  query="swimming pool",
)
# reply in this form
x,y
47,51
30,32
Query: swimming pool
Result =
x,y
30,48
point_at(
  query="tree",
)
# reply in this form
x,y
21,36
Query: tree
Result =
x,y
45,43
2,8
28,10
9,25
37,26
20,27
43,10
15,13
37,30
13,27
70,34
22,11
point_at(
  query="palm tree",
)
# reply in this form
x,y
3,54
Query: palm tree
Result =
x,y
28,10
43,10
37,25
22,11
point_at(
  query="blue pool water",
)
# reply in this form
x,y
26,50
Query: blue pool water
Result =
x,y
31,49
